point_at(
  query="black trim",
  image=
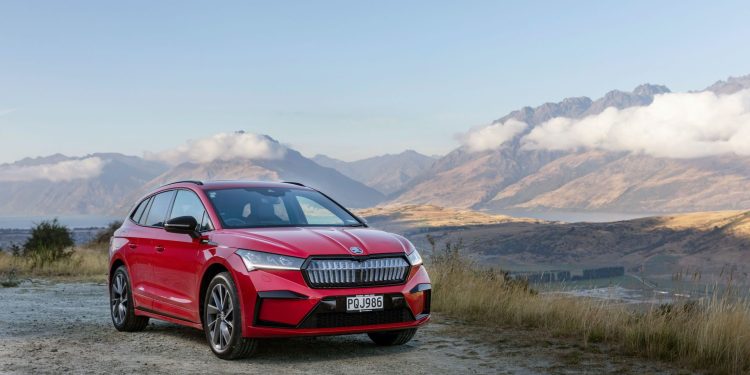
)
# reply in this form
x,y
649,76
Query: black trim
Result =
x,y
421,288
163,314
294,183
335,307
281,294
197,182
359,258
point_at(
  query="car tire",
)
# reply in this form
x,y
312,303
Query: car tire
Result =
x,y
389,338
121,304
222,320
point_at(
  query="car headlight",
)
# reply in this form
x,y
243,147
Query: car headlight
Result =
x,y
260,260
414,258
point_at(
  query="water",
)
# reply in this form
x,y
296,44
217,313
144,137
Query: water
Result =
x,y
71,221
577,216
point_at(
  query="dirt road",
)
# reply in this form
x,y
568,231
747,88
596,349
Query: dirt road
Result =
x,y
65,328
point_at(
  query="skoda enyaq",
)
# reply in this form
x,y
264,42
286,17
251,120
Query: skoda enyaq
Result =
x,y
245,261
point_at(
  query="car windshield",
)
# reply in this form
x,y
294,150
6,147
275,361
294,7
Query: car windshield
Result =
x,y
277,207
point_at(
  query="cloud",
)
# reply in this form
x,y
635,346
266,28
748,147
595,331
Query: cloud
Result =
x,y
674,125
62,171
677,125
222,146
493,136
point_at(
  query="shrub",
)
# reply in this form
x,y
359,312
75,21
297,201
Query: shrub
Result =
x,y
102,237
49,242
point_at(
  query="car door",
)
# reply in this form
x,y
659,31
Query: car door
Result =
x,y
179,260
138,253
152,227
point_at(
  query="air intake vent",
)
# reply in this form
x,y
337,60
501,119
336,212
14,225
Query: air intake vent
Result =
x,y
337,273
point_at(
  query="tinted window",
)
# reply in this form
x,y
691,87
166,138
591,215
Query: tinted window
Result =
x,y
142,220
315,213
139,211
206,224
159,207
187,204
274,207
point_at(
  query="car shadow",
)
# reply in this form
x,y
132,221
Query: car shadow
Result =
x,y
292,350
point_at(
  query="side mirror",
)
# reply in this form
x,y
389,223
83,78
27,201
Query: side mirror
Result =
x,y
184,225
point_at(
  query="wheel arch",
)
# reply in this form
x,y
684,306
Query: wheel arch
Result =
x,y
210,272
117,263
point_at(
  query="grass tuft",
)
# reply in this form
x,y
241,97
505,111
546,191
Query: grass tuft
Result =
x,y
711,334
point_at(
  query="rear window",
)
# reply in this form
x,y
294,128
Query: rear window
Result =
x,y
139,211
158,211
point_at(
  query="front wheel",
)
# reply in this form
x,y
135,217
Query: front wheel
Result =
x,y
389,338
222,321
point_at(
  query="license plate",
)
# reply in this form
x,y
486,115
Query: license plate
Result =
x,y
364,303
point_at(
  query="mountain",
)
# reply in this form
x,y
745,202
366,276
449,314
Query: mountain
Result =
x,y
512,177
386,173
62,185
291,167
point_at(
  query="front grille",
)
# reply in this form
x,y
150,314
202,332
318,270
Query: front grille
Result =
x,y
333,273
342,319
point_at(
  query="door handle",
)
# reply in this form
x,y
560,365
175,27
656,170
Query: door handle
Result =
x,y
132,246
159,248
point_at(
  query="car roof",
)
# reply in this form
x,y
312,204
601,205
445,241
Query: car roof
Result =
x,y
229,184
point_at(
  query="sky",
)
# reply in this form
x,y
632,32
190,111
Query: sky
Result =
x,y
346,79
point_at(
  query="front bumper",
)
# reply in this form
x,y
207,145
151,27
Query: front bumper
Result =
x,y
281,304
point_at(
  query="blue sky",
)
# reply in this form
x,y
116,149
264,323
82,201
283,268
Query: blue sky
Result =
x,y
348,79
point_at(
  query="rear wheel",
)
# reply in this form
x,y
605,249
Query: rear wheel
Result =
x,y
121,303
388,338
223,320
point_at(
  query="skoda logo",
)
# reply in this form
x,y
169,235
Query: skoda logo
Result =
x,y
355,250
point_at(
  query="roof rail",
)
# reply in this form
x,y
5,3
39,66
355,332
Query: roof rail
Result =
x,y
197,182
294,183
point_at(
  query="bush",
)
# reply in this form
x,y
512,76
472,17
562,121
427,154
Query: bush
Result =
x,y
49,243
102,237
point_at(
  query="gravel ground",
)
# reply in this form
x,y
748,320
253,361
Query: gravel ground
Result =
x,y
66,328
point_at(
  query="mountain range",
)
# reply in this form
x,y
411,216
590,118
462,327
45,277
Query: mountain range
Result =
x,y
516,178
509,177
386,173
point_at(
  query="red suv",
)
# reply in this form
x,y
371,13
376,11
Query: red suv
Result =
x,y
250,260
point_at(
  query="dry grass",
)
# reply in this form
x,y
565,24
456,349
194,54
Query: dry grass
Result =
x,y
85,264
712,335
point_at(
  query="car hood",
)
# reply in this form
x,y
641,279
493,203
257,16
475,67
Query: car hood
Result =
x,y
308,241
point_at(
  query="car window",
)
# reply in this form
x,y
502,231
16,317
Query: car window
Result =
x,y
187,204
206,224
158,211
142,220
315,214
139,211
276,207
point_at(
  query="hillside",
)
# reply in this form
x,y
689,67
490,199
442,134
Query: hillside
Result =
x,y
54,185
385,173
516,177
707,242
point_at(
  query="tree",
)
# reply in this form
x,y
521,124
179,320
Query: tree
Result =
x,y
48,242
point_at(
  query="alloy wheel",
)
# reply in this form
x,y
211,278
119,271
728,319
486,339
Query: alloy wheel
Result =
x,y
220,317
119,299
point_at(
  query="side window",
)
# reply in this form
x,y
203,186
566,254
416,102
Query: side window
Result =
x,y
206,224
158,211
142,220
188,204
316,213
139,211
